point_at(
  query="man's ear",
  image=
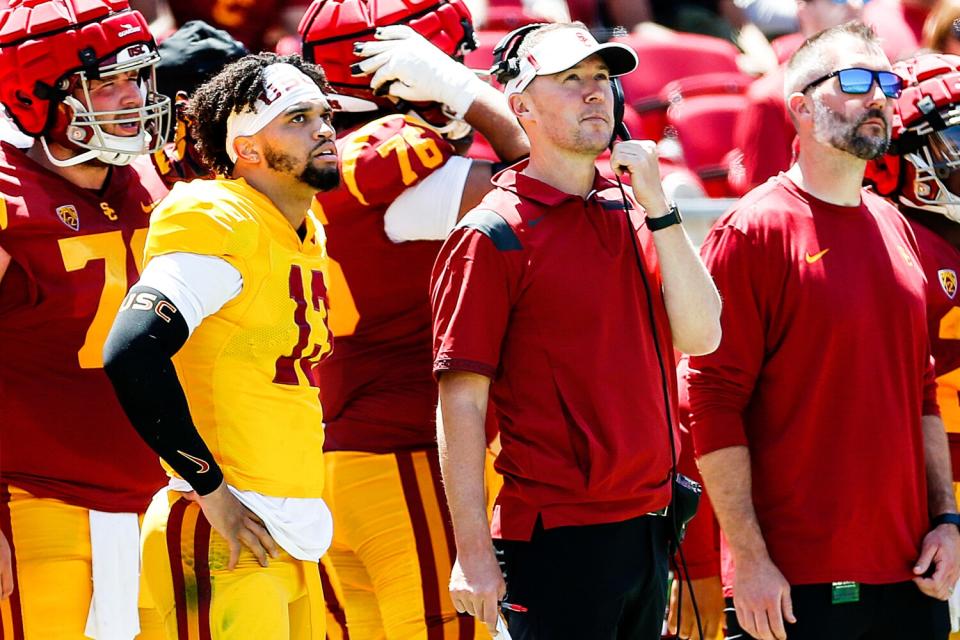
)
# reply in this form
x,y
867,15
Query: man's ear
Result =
x,y
798,107
246,149
519,105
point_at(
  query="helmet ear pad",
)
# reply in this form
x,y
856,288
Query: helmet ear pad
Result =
x,y
330,28
58,130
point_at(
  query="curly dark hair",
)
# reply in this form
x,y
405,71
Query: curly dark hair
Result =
x,y
236,88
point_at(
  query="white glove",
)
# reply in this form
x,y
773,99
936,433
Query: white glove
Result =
x,y
416,71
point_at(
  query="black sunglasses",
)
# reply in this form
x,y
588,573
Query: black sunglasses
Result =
x,y
859,81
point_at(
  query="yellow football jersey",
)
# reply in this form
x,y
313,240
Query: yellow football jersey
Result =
x,y
248,370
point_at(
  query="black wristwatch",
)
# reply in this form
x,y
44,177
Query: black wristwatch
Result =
x,y
945,518
671,218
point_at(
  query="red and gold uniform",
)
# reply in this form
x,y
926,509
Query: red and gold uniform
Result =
x,y
249,374
393,545
941,265
66,446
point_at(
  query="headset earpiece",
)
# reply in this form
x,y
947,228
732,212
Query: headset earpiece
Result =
x,y
620,130
506,64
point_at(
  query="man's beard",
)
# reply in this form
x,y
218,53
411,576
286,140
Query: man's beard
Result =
x,y
831,127
321,179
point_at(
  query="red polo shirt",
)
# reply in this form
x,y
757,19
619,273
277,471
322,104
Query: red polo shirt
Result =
x,y
540,290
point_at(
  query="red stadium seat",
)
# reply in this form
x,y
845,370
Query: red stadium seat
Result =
x,y
666,57
672,56
653,112
718,83
786,46
704,126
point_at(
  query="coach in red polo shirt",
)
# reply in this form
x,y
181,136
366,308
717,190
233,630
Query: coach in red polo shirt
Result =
x,y
553,303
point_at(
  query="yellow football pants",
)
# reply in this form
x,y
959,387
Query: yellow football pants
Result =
x,y
50,545
185,566
389,565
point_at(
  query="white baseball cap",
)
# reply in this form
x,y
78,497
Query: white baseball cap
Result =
x,y
565,48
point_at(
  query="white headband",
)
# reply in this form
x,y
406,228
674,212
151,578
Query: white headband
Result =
x,y
283,86
565,48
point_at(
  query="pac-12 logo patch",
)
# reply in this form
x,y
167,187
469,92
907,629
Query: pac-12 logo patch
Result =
x,y
68,215
948,280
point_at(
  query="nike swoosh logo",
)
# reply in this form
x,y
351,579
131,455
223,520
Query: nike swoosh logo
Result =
x,y
536,221
815,257
203,464
147,208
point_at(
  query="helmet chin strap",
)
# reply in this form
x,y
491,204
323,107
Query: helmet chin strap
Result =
x,y
124,148
136,144
113,149
68,162
949,211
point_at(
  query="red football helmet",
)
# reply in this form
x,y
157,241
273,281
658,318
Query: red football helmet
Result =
x,y
330,27
50,50
922,168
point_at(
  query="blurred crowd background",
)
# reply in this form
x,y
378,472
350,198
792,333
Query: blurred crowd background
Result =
x,y
709,88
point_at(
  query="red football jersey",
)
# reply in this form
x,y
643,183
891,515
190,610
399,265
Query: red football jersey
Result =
x,y
74,254
376,387
941,265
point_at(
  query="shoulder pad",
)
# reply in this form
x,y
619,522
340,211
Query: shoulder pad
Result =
x,y
379,160
200,217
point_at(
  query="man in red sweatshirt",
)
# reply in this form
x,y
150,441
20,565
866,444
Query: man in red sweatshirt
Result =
x,y
816,420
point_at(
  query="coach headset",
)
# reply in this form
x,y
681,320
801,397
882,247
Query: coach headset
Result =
x,y
685,493
506,66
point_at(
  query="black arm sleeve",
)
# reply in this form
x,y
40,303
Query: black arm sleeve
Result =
x,y
147,332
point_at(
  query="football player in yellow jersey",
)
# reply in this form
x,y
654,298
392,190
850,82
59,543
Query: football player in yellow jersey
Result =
x,y
213,357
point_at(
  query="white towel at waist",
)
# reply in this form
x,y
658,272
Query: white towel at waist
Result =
x,y
115,547
954,603
303,527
